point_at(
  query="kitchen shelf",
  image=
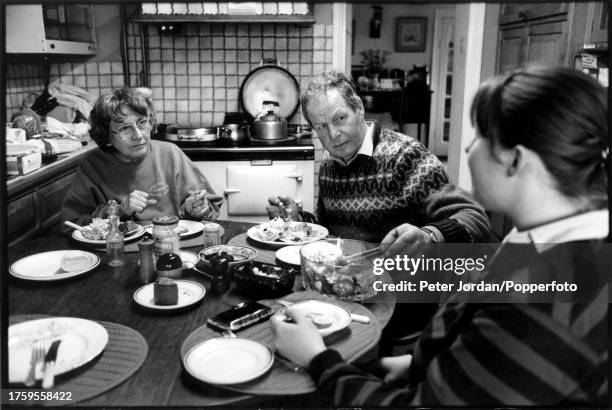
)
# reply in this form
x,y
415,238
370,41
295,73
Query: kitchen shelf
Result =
x,y
302,20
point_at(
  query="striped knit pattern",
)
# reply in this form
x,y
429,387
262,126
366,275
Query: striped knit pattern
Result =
x,y
521,354
401,183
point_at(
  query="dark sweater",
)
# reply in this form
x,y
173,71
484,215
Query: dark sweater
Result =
x,y
102,176
491,354
402,182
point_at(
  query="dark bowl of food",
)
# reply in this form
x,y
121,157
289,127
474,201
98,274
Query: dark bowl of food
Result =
x,y
239,255
264,280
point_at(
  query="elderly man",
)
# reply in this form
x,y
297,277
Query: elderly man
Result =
x,y
379,185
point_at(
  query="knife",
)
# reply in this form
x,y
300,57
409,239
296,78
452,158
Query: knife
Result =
x,y
49,372
354,316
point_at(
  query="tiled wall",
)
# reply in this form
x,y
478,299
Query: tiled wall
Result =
x,y
23,79
196,76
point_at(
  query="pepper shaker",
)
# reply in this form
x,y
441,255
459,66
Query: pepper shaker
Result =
x,y
146,263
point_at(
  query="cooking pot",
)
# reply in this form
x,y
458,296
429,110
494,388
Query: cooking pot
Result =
x,y
234,134
270,127
190,133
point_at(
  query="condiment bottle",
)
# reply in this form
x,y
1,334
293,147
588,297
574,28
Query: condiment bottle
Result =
x,y
114,239
212,234
166,235
146,262
169,265
220,273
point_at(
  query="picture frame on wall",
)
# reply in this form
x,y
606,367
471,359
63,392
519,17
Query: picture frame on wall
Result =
x,y
410,34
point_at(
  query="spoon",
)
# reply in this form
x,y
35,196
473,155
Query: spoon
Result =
x,y
191,265
75,226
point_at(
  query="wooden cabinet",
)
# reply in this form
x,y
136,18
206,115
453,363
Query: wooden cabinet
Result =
x,y
22,218
513,12
35,200
598,22
542,40
49,199
37,210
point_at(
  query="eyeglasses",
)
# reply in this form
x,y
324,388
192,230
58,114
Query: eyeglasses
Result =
x,y
127,129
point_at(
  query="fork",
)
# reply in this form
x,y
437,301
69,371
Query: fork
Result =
x,y
228,334
38,355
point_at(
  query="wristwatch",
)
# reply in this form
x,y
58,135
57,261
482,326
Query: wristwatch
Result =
x,y
432,234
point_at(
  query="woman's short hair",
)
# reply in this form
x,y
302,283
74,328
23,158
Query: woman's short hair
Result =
x,y
329,81
111,107
561,114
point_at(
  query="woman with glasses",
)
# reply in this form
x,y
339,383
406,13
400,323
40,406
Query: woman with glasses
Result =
x,y
148,178
540,157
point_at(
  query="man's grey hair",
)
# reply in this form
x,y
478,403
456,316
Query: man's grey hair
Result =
x,y
329,81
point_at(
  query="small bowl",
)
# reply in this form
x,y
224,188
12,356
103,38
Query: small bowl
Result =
x,y
241,254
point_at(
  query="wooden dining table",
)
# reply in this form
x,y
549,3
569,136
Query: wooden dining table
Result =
x,y
106,295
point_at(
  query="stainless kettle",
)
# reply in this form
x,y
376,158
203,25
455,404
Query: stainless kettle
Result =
x,y
270,127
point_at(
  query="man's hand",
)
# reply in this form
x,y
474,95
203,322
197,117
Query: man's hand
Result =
x,y
137,201
396,368
275,209
198,204
299,342
405,239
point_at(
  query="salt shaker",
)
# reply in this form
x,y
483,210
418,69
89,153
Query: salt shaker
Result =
x,y
146,263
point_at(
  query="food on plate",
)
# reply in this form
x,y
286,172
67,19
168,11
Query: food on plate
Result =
x,y
321,320
165,292
75,261
279,230
326,270
98,228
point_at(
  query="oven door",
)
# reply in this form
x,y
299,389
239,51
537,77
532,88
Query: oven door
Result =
x,y
249,186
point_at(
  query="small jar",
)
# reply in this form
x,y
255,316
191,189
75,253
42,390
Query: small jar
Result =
x,y
166,235
212,234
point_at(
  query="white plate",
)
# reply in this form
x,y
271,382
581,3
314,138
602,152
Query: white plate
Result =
x,y
77,235
189,292
189,257
228,360
82,341
289,254
187,228
45,266
318,232
338,316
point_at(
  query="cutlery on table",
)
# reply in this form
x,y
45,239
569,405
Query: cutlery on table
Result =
x,y
38,355
75,226
355,317
49,372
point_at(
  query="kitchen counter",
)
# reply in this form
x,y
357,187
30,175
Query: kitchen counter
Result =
x,y
16,185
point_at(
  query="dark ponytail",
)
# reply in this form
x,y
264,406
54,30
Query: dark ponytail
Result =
x,y
559,113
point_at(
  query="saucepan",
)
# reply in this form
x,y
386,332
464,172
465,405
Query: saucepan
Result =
x,y
190,133
234,134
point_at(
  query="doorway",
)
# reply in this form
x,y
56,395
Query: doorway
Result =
x,y
442,76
